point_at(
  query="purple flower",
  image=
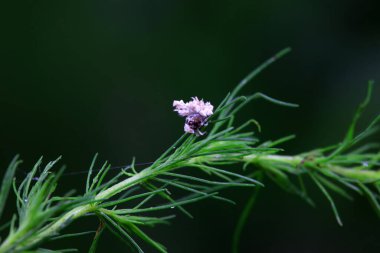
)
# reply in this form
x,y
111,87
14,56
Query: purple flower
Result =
x,y
196,113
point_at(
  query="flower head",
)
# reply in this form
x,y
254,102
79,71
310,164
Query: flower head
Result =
x,y
196,113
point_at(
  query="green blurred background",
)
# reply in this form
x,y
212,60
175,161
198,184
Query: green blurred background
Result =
x,y
80,77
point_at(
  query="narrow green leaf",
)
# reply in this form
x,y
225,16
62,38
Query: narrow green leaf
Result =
x,y
334,187
265,97
270,144
284,182
29,178
223,101
166,196
371,129
350,135
122,233
329,198
166,206
243,219
90,173
229,105
231,174
244,125
143,201
258,70
304,191
179,185
171,148
119,201
7,182
72,235
147,239
4,226
98,177
207,181
95,241
371,198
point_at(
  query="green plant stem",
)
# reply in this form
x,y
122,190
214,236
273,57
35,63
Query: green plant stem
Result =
x,y
365,176
291,160
16,242
13,241
54,228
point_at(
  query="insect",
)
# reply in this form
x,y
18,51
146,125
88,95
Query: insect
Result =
x,y
194,123
196,112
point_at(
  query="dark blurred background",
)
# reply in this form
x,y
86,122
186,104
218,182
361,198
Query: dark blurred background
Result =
x,y
79,77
